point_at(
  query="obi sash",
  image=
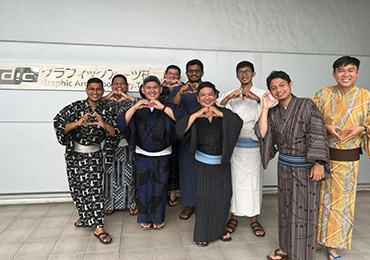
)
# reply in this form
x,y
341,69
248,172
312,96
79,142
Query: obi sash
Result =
x,y
79,148
294,161
247,143
207,159
350,155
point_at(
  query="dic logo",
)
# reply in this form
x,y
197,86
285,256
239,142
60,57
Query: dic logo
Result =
x,y
19,75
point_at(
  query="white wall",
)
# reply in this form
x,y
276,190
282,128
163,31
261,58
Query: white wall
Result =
x,y
303,39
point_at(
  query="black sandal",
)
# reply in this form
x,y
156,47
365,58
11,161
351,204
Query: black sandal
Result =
x,y
202,244
231,225
256,227
283,256
103,236
172,202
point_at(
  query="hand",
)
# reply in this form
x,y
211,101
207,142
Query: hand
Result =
x,y
247,94
236,94
186,89
317,172
100,120
333,129
353,132
156,104
215,112
143,103
173,84
83,120
267,102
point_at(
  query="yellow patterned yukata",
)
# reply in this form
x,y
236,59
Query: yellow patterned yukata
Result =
x,y
338,193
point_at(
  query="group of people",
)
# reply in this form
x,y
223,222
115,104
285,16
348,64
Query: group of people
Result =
x,y
124,152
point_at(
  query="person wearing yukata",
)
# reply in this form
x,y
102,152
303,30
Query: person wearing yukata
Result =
x,y
170,81
345,108
149,128
211,134
119,184
295,129
186,96
246,169
82,127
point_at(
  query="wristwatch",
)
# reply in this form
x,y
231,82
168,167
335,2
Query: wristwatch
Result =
x,y
365,130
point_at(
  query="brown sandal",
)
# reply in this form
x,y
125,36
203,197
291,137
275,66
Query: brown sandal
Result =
x,y
186,212
256,227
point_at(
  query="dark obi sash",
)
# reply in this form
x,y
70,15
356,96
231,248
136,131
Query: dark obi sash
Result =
x,y
294,161
207,159
247,143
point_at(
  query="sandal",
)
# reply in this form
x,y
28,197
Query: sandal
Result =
x,y
78,223
202,244
133,211
282,256
172,202
108,212
256,227
226,238
186,212
334,257
103,236
158,226
146,226
231,225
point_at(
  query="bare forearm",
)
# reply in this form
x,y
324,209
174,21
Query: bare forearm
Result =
x,y
191,121
129,114
224,101
169,112
70,126
177,99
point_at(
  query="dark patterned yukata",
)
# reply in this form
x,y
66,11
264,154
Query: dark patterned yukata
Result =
x,y
151,131
120,184
297,131
213,181
85,169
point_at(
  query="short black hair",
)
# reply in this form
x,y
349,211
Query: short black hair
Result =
x,y
244,64
119,76
194,62
344,61
94,80
173,67
206,84
151,78
277,74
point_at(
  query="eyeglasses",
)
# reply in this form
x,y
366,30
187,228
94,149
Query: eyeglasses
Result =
x,y
194,71
172,74
246,72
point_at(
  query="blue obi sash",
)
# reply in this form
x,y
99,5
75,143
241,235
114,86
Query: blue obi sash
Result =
x,y
207,159
294,161
247,143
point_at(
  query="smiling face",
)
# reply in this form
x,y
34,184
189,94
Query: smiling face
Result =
x,y
194,73
94,92
280,89
119,84
152,90
346,76
245,75
207,97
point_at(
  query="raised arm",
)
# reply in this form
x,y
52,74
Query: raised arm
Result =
x,y
267,104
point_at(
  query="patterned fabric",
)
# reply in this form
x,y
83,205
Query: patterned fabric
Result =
x,y
119,184
152,131
338,194
85,170
152,175
298,130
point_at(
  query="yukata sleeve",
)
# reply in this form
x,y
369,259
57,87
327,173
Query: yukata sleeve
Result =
x,y
111,142
190,137
268,148
178,112
231,127
63,118
173,93
318,149
128,130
